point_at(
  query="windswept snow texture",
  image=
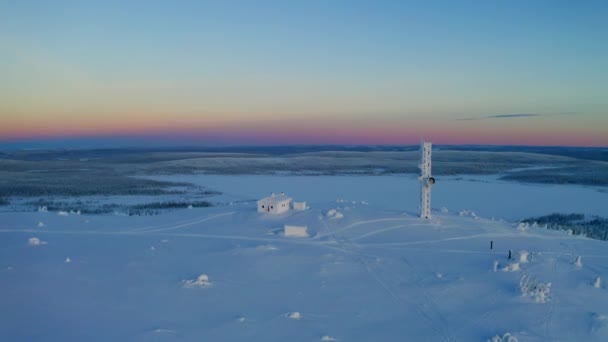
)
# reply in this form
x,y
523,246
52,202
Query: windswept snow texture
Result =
x,y
227,273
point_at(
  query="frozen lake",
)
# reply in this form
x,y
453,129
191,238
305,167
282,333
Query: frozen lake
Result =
x,y
485,195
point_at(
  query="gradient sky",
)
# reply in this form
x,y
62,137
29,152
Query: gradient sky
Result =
x,y
304,72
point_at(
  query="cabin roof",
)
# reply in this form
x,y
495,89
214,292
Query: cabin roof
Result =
x,y
275,198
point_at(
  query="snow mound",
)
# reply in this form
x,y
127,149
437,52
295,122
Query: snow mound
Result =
x,y
40,224
514,267
523,227
540,292
152,248
327,338
201,281
241,319
334,214
578,262
444,210
34,241
43,209
164,331
598,322
507,337
68,260
63,213
266,248
523,257
597,283
294,315
468,213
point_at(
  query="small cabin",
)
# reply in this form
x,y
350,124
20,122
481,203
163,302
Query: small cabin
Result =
x,y
296,231
274,204
299,206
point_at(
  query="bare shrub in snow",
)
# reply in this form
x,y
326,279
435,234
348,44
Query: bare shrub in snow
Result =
x,y
578,262
597,283
201,281
444,210
34,241
43,209
540,292
507,337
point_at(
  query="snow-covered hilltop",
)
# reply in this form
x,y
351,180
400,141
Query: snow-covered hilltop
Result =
x,y
364,273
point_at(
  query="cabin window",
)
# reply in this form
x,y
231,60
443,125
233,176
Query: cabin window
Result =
x,y
271,207
262,206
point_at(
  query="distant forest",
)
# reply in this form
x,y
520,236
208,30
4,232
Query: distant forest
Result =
x,y
594,227
587,153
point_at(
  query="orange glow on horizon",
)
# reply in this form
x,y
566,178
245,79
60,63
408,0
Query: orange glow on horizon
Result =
x,y
310,131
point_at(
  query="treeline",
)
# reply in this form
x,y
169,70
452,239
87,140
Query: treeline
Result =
x,y
594,227
81,183
585,174
91,208
155,208
4,201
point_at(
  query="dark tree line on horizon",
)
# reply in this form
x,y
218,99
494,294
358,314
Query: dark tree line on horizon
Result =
x,y
593,227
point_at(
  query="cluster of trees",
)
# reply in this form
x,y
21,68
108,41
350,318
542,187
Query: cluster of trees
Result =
x,y
92,208
594,227
4,201
155,208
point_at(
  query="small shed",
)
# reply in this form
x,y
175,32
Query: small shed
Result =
x,y
299,206
296,231
274,204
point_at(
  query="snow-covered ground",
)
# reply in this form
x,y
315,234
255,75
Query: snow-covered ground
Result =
x,y
373,273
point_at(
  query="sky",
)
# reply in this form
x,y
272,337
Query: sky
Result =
x,y
113,73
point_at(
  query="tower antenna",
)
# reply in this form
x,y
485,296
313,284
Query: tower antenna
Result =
x,y
426,180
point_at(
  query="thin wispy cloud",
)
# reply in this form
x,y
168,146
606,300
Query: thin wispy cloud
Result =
x,y
512,116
